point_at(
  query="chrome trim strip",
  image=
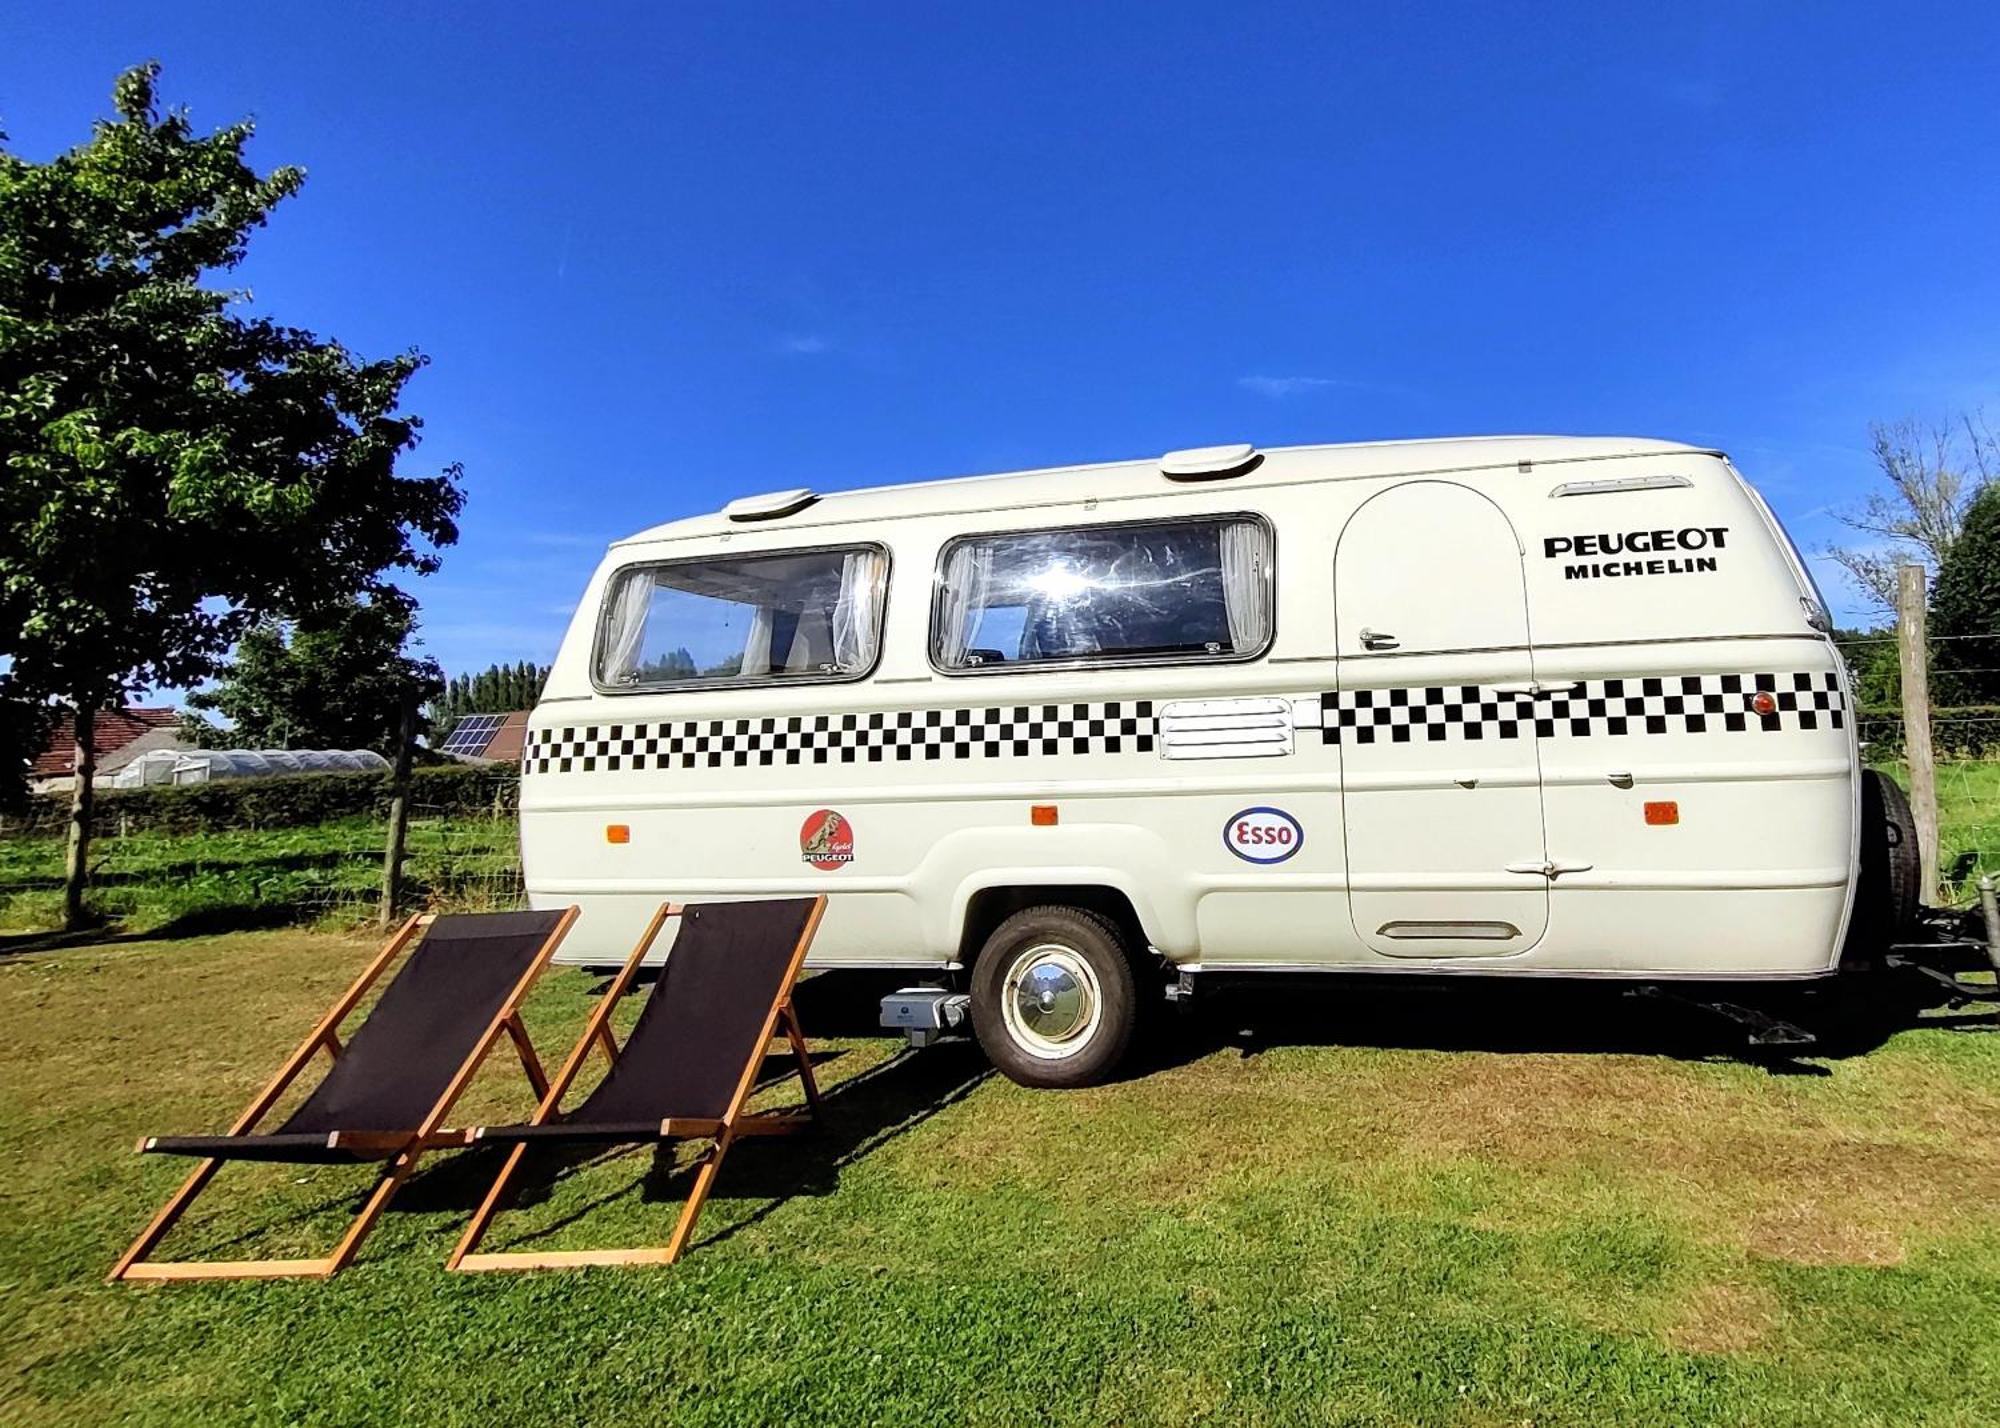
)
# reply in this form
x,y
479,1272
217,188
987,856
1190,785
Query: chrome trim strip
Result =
x,y
1485,968
1464,931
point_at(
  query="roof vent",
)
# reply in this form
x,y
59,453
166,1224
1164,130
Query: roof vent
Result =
x,y
769,506
1210,463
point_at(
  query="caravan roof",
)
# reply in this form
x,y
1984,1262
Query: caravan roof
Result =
x,y
1114,479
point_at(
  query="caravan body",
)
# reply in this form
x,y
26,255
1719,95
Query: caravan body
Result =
x,y
1508,705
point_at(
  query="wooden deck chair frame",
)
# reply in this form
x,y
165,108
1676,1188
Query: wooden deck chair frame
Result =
x,y
133,1264
720,1133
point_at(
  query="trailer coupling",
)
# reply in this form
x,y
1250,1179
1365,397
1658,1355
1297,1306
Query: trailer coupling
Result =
x,y
923,1014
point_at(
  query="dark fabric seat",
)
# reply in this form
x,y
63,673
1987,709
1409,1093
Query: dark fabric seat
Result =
x,y
702,1023
688,1065
389,1076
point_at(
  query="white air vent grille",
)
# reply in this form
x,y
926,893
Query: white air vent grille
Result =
x,y
1226,728
1621,485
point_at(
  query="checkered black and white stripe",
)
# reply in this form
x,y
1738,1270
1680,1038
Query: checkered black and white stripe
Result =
x,y
1675,704
902,736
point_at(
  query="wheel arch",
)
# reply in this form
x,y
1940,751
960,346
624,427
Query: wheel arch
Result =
x,y
982,909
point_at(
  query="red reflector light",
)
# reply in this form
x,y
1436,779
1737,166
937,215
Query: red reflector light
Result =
x,y
1663,814
617,833
1042,815
1763,704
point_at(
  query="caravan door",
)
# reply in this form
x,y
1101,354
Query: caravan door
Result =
x,y
1441,784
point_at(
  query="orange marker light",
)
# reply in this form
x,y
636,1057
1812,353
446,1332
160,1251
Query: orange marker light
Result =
x,y
1762,704
1042,815
1663,814
617,833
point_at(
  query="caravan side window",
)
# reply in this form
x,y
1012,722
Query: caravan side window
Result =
x,y
1159,591
715,620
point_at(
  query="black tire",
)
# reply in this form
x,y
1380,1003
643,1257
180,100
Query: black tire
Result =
x,y
1066,949
1887,872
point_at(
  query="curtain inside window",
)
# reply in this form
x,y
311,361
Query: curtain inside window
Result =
x,y
626,632
1246,584
968,581
757,644
857,612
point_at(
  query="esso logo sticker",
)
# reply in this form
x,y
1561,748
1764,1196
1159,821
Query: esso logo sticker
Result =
x,y
1263,835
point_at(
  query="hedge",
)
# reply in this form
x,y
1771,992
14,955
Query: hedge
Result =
x,y
280,801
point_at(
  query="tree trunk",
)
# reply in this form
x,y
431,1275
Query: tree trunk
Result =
x,y
399,815
83,796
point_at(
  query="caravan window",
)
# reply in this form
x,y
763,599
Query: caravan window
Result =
x,y
1164,590
805,615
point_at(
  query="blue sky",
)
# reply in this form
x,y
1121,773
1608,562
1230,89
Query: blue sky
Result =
x,y
663,255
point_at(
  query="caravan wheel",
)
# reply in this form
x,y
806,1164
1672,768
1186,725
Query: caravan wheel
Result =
x,y
1887,894
1054,1000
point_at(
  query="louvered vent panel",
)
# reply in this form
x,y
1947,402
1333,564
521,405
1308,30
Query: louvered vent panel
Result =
x,y
1226,729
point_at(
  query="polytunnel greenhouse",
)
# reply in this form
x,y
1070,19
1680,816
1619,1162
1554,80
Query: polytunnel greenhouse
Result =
x,y
205,765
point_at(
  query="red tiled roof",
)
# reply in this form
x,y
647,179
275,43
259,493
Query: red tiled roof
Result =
x,y
115,729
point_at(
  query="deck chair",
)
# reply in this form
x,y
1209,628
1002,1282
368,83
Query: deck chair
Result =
x,y
686,1069
392,1084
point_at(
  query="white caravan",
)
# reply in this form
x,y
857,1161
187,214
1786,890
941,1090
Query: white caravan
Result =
x,y
1543,706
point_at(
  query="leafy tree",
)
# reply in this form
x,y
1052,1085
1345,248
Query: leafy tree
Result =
x,y
23,727
1874,664
335,681
1930,473
677,663
1965,609
173,470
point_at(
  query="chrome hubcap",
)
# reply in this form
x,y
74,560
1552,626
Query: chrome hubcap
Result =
x,y
1051,1002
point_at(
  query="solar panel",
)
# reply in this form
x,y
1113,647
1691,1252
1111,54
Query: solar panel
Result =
x,y
473,733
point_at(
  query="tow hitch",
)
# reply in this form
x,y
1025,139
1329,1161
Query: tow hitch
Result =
x,y
1959,942
924,1014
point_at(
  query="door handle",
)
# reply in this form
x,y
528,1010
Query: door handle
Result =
x,y
1535,689
1377,640
1549,868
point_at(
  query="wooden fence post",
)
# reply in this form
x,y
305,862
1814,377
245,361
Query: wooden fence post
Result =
x,y
399,813
1915,652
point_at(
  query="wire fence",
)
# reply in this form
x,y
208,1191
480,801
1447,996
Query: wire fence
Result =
x,y
1964,737
454,861
327,874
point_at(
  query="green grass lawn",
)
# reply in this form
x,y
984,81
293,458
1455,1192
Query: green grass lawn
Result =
x,y
190,882
1375,1208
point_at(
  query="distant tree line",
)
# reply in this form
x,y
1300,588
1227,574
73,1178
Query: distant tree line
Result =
x,y
679,663
497,689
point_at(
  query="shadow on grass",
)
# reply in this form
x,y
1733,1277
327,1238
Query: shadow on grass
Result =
x,y
831,1005
858,1116
1516,1016
161,869
208,921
